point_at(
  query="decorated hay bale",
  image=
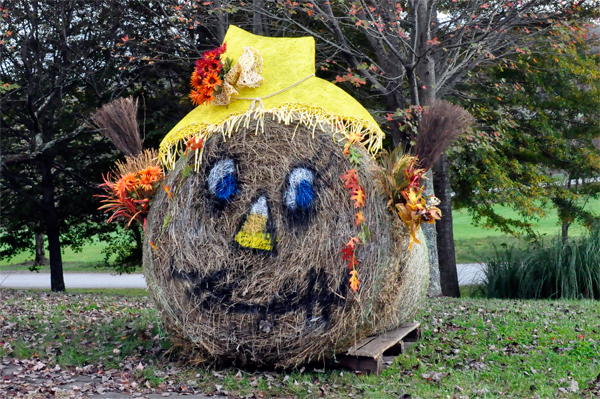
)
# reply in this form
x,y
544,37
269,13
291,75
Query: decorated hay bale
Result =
x,y
277,237
284,298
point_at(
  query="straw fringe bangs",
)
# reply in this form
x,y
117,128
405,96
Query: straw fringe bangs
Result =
x,y
341,127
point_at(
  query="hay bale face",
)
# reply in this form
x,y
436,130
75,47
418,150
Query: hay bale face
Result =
x,y
244,260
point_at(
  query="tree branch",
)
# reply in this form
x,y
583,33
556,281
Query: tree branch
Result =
x,y
9,159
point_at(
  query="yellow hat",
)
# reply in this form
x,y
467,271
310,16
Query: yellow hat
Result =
x,y
290,94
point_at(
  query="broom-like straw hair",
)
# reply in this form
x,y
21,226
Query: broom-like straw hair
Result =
x,y
118,122
440,125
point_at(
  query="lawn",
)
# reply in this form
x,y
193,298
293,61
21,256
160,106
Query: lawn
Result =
x,y
90,259
470,348
473,244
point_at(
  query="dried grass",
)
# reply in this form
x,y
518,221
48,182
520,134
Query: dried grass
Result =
x,y
118,121
232,305
134,164
440,125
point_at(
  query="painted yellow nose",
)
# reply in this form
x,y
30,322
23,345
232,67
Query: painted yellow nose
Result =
x,y
253,233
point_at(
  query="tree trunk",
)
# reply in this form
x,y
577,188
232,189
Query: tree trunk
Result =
x,y
57,282
430,234
258,24
445,231
40,254
563,211
222,21
425,80
565,231
425,67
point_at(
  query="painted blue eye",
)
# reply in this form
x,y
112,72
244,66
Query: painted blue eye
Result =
x,y
226,187
304,194
300,193
222,182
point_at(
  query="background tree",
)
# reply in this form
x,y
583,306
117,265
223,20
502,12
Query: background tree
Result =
x,y
539,114
48,55
56,69
66,59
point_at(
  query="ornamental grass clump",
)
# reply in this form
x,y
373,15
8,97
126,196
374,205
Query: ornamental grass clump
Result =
x,y
569,270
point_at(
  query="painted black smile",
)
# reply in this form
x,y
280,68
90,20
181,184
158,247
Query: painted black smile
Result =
x,y
213,290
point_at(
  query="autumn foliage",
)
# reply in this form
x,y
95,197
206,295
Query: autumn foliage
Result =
x,y
348,251
401,181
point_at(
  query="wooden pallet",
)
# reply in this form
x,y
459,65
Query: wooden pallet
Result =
x,y
373,354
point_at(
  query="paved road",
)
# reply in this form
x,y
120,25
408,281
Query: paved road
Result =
x,y
468,274
27,279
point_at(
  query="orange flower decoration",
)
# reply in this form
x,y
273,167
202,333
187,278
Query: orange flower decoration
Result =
x,y
149,176
211,81
207,76
208,96
196,80
128,197
204,67
125,184
129,181
209,55
196,97
215,65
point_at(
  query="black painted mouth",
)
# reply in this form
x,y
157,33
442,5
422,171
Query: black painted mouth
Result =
x,y
217,289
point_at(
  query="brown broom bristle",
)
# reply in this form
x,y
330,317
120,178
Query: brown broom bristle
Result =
x,y
118,121
440,125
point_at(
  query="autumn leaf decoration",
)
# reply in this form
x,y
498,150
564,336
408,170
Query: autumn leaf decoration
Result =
x,y
357,192
352,139
350,257
400,179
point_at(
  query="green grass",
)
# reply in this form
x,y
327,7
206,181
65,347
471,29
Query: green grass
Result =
x,y
131,292
476,244
90,260
90,254
470,347
549,226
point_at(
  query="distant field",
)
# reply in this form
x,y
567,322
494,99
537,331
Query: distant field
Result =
x,y
473,244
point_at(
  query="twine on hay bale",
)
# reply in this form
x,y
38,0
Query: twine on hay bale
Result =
x,y
292,304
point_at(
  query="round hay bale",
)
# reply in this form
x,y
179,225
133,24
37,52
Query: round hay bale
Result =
x,y
283,300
